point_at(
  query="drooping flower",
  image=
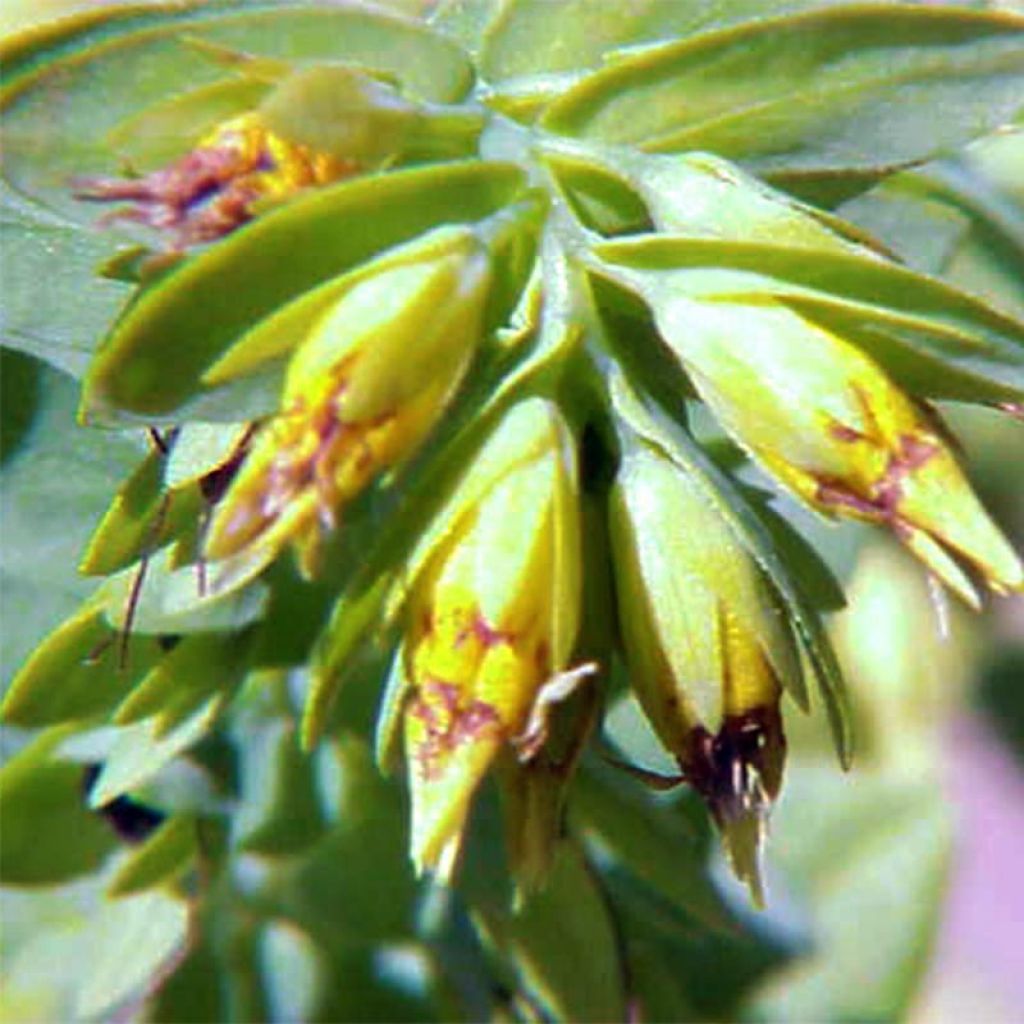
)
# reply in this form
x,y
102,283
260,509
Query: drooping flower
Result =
x,y
361,393
493,616
826,421
707,645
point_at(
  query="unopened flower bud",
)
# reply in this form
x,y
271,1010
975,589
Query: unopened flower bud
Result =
x,y
707,645
360,395
825,420
493,616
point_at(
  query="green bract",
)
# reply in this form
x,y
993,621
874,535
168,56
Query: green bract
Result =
x,y
457,361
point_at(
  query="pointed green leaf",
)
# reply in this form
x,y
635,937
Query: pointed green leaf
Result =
x,y
961,219
48,834
142,518
82,668
156,597
161,858
849,87
202,448
537,37
199,666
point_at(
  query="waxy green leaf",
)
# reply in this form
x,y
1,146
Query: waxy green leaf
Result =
x,y
844,88
141,519
161,858
83,668
44,807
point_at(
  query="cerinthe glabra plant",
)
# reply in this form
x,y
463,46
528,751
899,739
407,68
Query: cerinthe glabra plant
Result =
x,y
428,317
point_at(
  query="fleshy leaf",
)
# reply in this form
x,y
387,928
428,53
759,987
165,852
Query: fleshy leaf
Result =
x,y
82,668
828,90
161,858
141,519
199,666
48,834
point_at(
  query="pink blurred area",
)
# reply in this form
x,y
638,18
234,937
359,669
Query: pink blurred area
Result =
x,y
977,972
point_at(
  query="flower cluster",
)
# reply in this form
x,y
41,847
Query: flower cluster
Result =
x,y
445,339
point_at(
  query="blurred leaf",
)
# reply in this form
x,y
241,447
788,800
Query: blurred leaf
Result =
x,y
829,90
929,337
52,304
868,849
280,812
960,218
153,360
543,940
82,668
56,483
292,971
199,666
648,839
130,944
49,835
140,751
161,858
195,991
357,881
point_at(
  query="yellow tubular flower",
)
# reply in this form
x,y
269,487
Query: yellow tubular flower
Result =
x,y
361,393
493,616
825,420
707,645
